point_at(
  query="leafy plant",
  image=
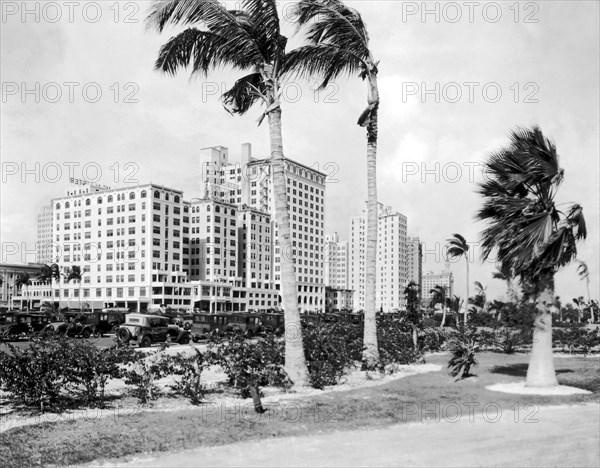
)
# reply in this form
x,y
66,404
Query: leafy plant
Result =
x,y
462,349
190,369
144,371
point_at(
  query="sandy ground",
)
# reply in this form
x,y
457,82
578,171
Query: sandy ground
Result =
x,y
552,436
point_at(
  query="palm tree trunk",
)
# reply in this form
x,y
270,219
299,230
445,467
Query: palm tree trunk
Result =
x,y
443,316
371,350
540,372
295,360
587,286
467,298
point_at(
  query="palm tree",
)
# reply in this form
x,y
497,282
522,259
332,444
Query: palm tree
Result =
x,y
413,313
56,275
479,301
338,43
45,277
24,279
439,297
504,274
248,40
458,247
580,303
74,273
528,233
584,274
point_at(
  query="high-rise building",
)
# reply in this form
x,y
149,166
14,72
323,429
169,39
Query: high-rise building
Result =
x,y
414,262
431,280
391,268
44,234
335,261
249,183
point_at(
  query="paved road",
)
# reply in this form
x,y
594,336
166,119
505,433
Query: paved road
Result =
x,y
562,436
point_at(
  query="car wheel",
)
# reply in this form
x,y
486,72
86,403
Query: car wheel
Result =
x,y
86,333
196,338
97,334
187,326
184,338
123,335
249,334
146,342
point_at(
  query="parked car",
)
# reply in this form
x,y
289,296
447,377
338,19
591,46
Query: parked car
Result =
x,y
22,325
244,323
272,322
147,329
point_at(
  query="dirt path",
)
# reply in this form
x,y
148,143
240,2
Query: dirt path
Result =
x,y
533,437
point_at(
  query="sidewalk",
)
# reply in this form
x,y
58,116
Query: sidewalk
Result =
x,y
553,436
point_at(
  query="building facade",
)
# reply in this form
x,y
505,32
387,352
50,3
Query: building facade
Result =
x,y
335,262
391,259
337,299
11,295
431,280
249,183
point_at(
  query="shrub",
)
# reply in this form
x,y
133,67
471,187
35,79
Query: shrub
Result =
x,y
90,368
34,375
431,340
330,349
576,339
190,369
251,364
144,371
396,344
462,348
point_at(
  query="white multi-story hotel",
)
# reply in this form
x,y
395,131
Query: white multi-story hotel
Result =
x,y
335,261
391,259
250,183
431,280
414,261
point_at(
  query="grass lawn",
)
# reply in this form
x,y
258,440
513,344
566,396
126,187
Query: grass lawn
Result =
x,y
416,398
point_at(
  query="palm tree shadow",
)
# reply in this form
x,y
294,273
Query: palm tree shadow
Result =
x,y
519,370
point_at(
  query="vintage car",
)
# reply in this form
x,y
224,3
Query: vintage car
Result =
x,y
147,329
244,323
86,324
207,324
19,325
272,322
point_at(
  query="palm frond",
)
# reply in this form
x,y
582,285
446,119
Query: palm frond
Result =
x,y
244,94
322,60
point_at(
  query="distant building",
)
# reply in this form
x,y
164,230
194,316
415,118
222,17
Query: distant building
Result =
x,y
414,262
44,234
431,280
12,296
338,299
390,263
335,261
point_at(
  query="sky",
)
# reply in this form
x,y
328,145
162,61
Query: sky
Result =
x,y
80,98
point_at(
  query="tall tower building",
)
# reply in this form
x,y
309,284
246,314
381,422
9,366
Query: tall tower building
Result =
x,y
391,264
414,262
335,262
44,235
249,184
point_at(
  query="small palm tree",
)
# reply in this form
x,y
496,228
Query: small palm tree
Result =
x,y
24,279
458,247
439,296
529,234
74,274
338,43
580,303
56,275
584,274
248,40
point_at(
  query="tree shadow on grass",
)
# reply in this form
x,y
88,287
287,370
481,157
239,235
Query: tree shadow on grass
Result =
x,y
519,370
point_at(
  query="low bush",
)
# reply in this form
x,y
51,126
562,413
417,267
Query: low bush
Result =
x,y
251,364
143,372
396,345
190,369
576,339
330,350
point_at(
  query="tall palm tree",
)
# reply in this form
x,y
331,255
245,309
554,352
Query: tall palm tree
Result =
x,y
24,279
529,234
248,40
337,44
458,247
74,273
584,274
504,274
439,297
580,303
